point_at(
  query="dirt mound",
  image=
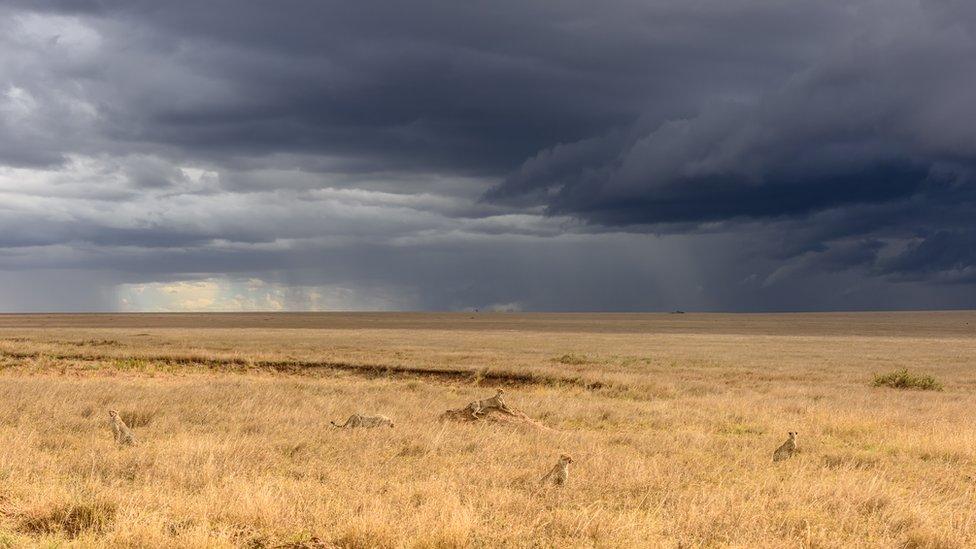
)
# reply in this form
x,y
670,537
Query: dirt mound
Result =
x,y
512,416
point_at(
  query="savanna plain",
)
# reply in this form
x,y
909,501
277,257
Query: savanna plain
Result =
x,y
671,420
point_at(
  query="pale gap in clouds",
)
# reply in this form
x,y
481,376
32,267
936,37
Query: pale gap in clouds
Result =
x,y
225,295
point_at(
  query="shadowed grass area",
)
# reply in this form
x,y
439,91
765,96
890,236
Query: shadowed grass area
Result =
x,y
904,379
69,519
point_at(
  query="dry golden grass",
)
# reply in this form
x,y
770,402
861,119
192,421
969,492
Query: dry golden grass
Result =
x,y
672,432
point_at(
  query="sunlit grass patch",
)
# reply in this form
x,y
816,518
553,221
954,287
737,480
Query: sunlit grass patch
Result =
x,y
236,449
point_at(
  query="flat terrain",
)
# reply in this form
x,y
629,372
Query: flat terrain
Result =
x,y
936,323
671,420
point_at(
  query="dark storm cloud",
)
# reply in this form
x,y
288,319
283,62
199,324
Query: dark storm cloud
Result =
x,y
877,122
473,88
846,130
821,144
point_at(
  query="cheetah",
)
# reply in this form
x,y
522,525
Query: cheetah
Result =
x,y
123,435
559,474
494,403
361,420
787,449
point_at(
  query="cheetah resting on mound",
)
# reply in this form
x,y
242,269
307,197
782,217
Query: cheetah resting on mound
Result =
x,y
361,420
483,405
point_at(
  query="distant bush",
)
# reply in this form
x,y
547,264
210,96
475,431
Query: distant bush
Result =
x,y
903,379
572,359
97,343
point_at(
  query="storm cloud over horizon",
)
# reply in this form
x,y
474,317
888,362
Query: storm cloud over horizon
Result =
x,y
315,155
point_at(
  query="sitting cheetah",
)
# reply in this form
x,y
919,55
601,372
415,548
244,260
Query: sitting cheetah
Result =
x,y
787,449
123,435
559,473
361,420
493,403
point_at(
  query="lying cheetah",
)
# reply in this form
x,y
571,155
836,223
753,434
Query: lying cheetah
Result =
x,y
787,449
123,435
361,420
559,473
493,403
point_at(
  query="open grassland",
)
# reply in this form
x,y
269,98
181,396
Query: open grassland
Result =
x,y
671,420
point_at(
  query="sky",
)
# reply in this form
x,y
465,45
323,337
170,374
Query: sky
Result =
x,y
528,155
